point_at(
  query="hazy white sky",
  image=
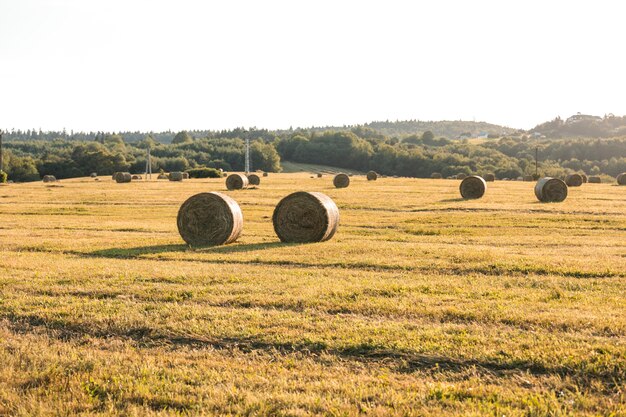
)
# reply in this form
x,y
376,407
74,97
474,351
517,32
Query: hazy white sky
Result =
x,y
184,64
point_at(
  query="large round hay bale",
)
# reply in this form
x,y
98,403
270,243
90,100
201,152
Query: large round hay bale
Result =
x,y
123,177
594,180
621,179
185,175
584,177
254,179
236,182
461,176
528,178
574,180
176,176
551,190
304,217
114,175
162,177
49,178
136,177
372,176
489,177
209,219
341,181
436,176
473,187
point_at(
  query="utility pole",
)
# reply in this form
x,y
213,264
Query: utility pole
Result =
x,y
247,169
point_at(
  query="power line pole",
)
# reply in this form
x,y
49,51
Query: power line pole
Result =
x,y
247,169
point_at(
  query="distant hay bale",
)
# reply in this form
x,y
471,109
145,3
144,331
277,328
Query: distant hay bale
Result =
x,y
236,182
473,187
528,178
176,176
372,176
49,178
319,175
136,177
185,175
585,179
304,217
506,179
341,181
551,190
265,174
574,180
93,175
489,177
254,179
209,219
436,176
594,180
114,175
520,178
162,177
621,179
123,177
461,176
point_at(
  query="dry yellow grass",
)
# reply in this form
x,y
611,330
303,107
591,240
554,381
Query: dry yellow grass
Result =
x,y
422,304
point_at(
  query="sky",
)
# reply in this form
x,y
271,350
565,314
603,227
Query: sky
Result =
x,y
153,65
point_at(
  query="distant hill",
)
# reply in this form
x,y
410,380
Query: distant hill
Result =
x,y
583,125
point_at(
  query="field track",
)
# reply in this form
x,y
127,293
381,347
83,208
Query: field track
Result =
x,y
422,304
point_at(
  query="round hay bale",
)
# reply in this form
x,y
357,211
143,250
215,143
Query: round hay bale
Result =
x,y
489,177
136,177
461,176
621,179
594,180
265,174
93,175
185,175
304,217
236,182
176,176
436,176
473,187
123,177
528,178
372,176
209,219
162,177
584,177
319,175
341,181
574,180
254,179
114,175
551,190
49,178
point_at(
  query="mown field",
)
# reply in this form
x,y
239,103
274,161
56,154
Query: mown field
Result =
x,y
422,304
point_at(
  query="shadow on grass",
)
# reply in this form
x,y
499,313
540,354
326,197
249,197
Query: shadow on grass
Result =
x,y
125,253
452,200
401,360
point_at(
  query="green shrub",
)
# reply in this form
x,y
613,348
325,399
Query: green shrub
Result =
x,y
204,173
3,177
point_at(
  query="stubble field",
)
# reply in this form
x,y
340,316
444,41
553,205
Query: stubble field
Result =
x,y
422,304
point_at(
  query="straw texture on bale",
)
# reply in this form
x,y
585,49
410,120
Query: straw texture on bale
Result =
x,y
162,177
341,181
122,177
372,176
551,190
185,175
136,177
574,180
236,182
254,179
435,176
209,219
49,178
621,179
176,176
305,217
461,176
594,180
473,187
489,177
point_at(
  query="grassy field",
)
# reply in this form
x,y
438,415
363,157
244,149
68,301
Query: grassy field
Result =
x,y
422,304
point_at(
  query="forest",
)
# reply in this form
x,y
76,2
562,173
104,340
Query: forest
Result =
x,y
28,155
